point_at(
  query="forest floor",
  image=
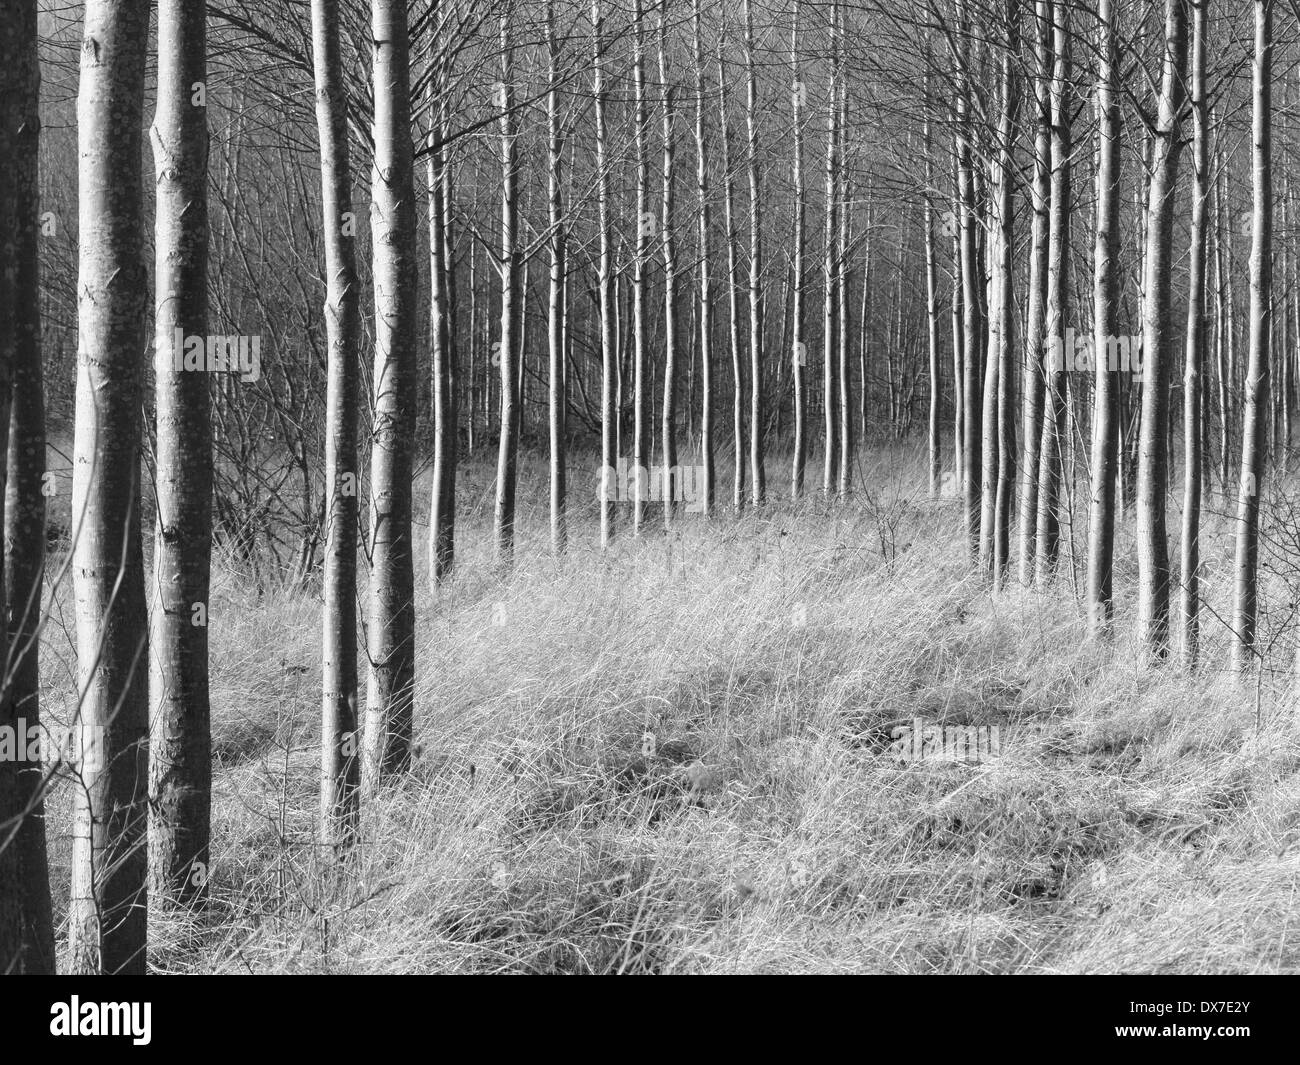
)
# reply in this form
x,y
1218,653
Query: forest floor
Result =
x,y
677,758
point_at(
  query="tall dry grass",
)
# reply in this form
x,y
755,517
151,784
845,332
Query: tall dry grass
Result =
x,y
674,759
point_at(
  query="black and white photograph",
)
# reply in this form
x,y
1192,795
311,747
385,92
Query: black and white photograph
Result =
x,y
650,487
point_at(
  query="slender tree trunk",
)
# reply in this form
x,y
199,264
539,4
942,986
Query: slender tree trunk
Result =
x,y
1002,334
932,320
958,336
108,911
604,281
758,474
442,493
830,273
1158,341
733,291
842,304
13,940
971,304
180,740
1254,428
1034,372
848,444
447,508
340,766
555,315
706,297
28,897
645,228
391,622
864,325
798,355
993,485
1230,294
667,231
1221,339
1105,304
507,354
1195,354
1053,435
471,384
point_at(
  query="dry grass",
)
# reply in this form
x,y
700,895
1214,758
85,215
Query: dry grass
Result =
x,y
1136,820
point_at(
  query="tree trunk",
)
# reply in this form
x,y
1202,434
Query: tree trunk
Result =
x,y
958,334
733,292
1034,371
391,623
848,449
24,511
935,437
830,274
645,227
604,282
340,767
442,491
1195,355
1000,347
1053,434
758,475
971,305
180,740
13,947
1254,428
108,909
506,349
555,310
798,354
842,304
667,228
1105,304
1158,341
706,304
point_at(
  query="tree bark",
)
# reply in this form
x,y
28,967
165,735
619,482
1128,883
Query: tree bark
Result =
x,y
1001,341
391,622
555,309
1254,427
1053,434
1034,372
706,297
799,347
935,425
108,909
24,512
604,283
1105,304
506,351
645,227
847,450
442,490
668,243
971,303
733,292
180,740
758,476
1195,352
830,275
340,765
1157,343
